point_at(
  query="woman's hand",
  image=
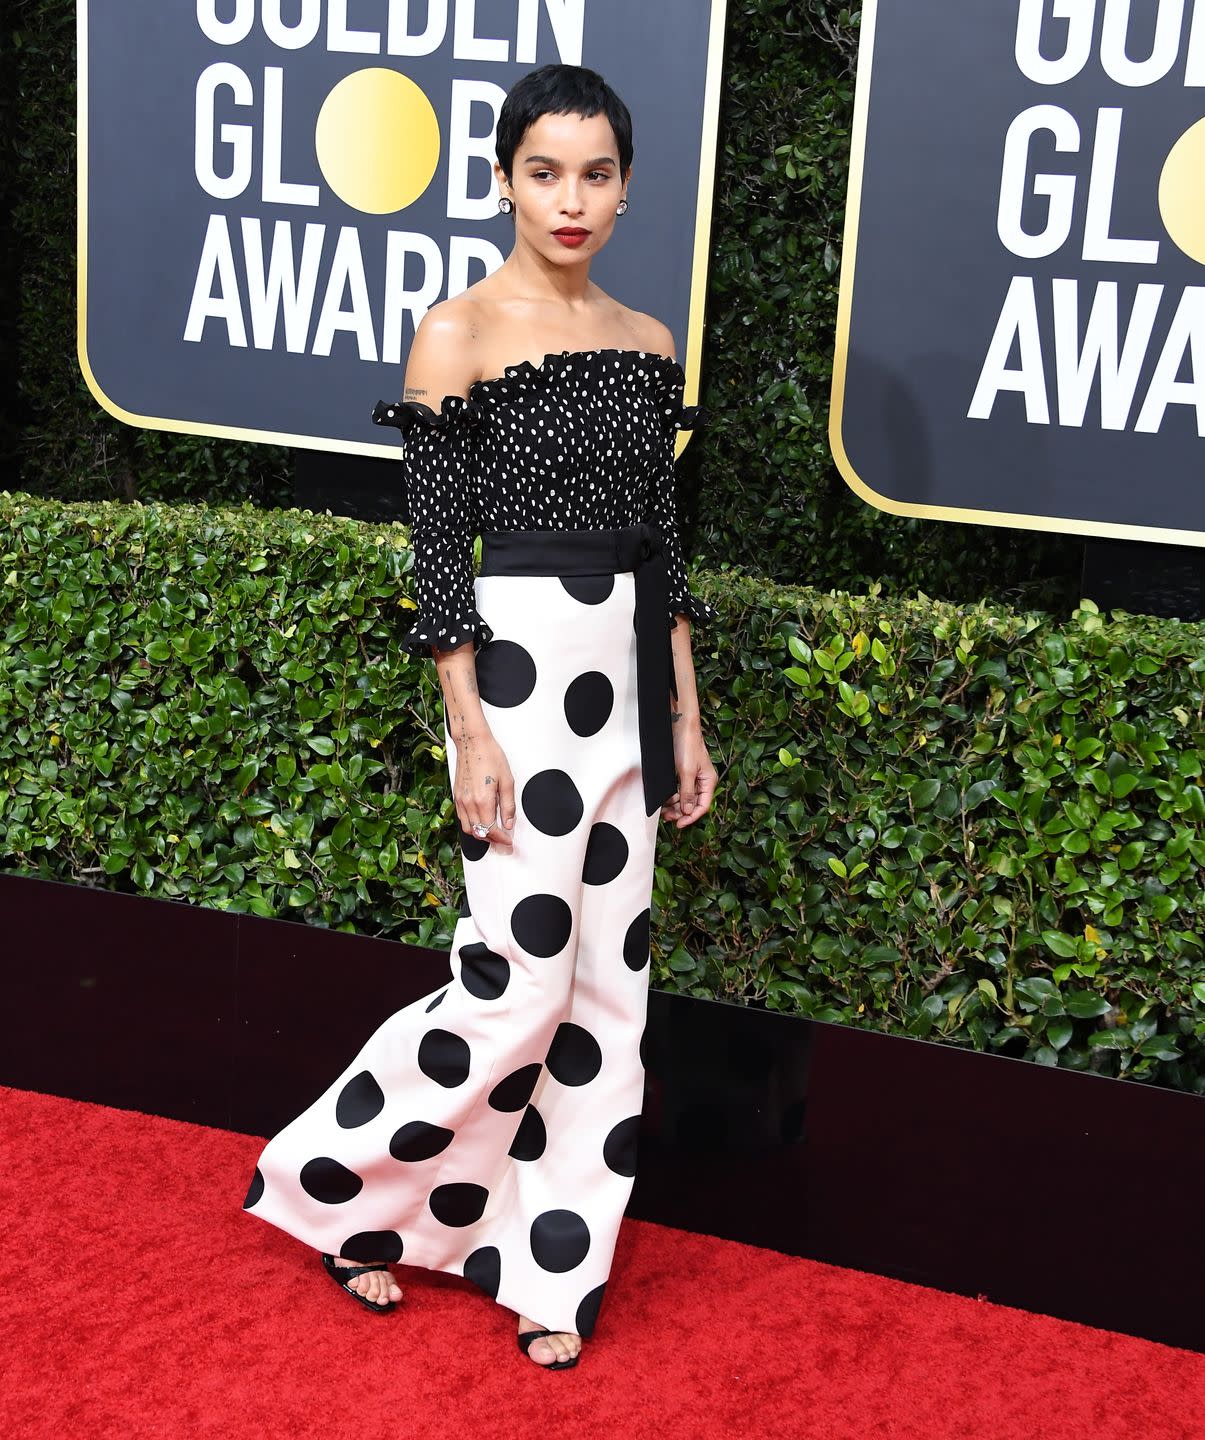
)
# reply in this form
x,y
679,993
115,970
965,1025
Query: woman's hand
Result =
x,y
696,776
485,789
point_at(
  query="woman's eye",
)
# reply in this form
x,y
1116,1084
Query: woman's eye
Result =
x,y
591,175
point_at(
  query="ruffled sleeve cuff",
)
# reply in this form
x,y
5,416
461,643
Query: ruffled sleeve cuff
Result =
x,y
673,415
445,632
406,415
694,607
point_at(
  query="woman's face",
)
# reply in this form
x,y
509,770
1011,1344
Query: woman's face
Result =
x,y
566,178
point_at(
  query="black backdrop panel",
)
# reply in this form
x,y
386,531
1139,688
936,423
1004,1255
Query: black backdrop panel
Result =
x,y
1022,312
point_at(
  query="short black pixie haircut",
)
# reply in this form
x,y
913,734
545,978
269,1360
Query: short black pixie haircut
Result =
x,y
560,90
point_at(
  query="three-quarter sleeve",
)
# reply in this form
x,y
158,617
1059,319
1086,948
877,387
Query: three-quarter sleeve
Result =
x,y
674,416
437,461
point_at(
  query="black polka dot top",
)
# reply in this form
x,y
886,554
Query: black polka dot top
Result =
x,y
583,441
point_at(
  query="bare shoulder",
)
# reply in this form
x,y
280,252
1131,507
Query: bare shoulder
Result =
x,y
651,334
444,356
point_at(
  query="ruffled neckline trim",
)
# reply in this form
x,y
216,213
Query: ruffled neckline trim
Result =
x,y
526,374
666,378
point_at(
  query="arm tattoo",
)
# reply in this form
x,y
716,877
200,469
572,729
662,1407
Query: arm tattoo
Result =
x,y
674,716
412,390
489,779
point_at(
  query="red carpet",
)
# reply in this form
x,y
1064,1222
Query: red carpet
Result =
x,y
140,1301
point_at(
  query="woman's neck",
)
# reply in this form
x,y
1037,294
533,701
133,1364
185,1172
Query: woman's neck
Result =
x,y
534,278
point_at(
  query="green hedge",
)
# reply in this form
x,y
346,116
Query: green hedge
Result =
x,y
960,823
759,488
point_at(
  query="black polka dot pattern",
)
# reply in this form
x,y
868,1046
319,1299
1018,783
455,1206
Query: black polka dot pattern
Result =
x,y
531,1138
444,1058
326,1180
458,1204
619,1148
589,589
587,1311
524,451
515,1091
560,1240
255,1190
419,1140
552,803
473,847
606,854
574,1058
360,1101
484,1268
371,1245
506,674
589,701
542,924
636,942
482,973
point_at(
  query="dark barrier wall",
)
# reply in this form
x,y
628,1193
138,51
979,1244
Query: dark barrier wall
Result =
x,y
1028,1186
1022,328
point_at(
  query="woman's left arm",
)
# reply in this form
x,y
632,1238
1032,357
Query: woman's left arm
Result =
x,y
696,774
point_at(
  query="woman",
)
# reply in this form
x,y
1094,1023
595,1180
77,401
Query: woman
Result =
x,y
495,1138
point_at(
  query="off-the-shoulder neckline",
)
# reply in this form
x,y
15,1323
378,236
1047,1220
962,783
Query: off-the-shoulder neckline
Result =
x,y
526,377
526,367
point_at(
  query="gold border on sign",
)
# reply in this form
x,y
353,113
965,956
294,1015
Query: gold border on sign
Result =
x,y
1004,519
713,76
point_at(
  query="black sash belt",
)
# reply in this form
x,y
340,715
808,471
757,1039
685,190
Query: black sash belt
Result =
x,y
609,552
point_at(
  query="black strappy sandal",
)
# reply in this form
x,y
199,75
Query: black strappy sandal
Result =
x,y
341,1274
527,1338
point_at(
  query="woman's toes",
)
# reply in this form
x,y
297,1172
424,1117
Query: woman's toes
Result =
x,y
548,1349
378,1286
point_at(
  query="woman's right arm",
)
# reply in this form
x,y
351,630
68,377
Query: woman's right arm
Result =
x,y
443,362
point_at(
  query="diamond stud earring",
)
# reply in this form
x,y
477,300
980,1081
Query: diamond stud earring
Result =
x,y
621,208
505,204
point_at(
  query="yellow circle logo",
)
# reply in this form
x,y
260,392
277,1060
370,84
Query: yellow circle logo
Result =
x,y
377,141
1182,192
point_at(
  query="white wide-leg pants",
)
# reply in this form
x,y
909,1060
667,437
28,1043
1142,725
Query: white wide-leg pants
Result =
x,y
490,1131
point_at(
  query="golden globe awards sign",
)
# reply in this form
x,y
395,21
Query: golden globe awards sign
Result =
x,y
1022,319
272,193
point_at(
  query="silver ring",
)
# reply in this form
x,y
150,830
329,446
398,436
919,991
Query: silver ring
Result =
x,y
480,830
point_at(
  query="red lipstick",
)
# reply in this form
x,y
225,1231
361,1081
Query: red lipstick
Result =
x,y
571,235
